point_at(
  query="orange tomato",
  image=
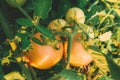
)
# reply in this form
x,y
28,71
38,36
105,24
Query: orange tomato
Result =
x,y
44,56
78,55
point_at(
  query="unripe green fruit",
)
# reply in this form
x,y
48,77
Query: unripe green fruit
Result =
x,y
14,3
75,14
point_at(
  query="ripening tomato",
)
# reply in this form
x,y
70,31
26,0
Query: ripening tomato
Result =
x,y
12,3
57,24
78,55
44,56
75,14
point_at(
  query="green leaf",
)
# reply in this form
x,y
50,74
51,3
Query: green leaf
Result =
x,y
42,8
1,72
24,22
82,3
37,41
45,32
93,11
68,75
25,43
114,68
95,48
61,7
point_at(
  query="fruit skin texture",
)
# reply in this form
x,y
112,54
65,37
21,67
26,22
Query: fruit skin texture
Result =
x,y
78,55
44,56
57,24
13,4
75,14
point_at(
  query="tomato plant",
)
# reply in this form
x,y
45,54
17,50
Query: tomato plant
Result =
x,y
60,39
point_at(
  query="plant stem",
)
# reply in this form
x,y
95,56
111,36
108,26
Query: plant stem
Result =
x,y
23,11
70,40
5,26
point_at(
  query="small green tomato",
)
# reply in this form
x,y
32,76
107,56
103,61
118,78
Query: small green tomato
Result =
x,y
75,14
57,24
14,3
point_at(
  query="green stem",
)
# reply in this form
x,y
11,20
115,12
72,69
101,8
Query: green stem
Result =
x,y
70,40
24,12
5,26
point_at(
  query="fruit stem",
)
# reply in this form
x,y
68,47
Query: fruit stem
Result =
x,y
70,40
5,26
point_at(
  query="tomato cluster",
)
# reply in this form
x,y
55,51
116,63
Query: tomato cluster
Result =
x,y
46,56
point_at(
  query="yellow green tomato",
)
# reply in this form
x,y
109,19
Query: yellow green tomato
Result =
x,y
14,3
75,14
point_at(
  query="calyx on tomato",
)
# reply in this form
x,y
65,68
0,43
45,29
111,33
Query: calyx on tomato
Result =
x,y
44,56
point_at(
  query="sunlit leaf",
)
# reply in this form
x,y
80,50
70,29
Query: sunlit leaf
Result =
x,y
99,59
113,67
113,1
